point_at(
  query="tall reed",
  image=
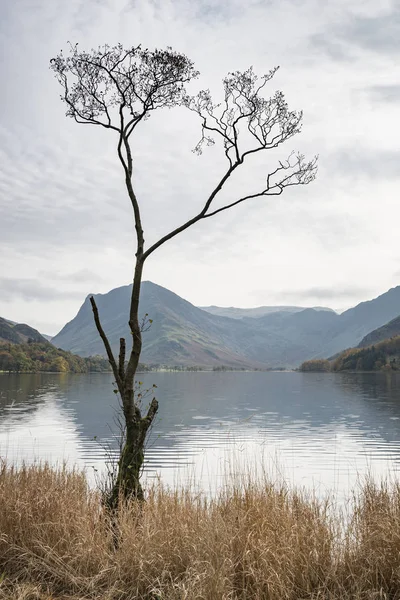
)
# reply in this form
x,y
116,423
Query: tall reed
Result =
x,y
254,541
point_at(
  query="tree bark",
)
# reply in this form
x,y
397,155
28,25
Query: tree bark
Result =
x,y
130,464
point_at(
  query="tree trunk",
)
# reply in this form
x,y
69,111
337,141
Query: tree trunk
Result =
x,y
127,484
130,463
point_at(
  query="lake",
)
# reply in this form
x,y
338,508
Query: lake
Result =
x,y
318,430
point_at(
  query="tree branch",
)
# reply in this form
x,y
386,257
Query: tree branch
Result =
x,y
107,346
151,413
121,362
194,220
304,174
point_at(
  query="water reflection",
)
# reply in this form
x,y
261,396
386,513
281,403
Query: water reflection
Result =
x,y
314,429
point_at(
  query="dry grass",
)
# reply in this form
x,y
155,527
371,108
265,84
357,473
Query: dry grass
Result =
x,y
258,542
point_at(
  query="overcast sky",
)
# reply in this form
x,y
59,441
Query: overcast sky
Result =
x,y
65,222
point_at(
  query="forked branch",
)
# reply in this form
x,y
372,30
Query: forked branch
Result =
x,y
246,123
107,346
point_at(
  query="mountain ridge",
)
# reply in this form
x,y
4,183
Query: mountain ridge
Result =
x,y
183,334
238,313
18,333
169,333
387,331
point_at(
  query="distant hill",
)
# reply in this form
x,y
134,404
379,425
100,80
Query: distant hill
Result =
x,y
390,330
18,333
260,311
47,337
183,334
355,323
35,357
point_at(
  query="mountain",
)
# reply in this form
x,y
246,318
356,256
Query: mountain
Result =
x,y
390,330
260,311
357,322
180,334
18,333
183,334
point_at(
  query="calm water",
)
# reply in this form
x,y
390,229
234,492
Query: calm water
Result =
x,y
316,430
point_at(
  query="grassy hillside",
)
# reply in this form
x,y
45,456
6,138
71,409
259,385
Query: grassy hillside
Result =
x,y
36,357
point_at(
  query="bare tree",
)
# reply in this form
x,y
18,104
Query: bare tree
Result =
x,y
118,88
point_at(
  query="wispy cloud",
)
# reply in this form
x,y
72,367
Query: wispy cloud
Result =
x,y
328,293
333,47
367,163
378,33
389,93
31,289
82,276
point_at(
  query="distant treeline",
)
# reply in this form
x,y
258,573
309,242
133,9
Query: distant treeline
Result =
x,y
175,368
35,357
384,356
218,368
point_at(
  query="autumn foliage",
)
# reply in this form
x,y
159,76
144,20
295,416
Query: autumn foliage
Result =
x,y
35,358
320,365
384,356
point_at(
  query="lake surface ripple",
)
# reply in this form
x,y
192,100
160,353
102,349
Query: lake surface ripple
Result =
x,y
322,431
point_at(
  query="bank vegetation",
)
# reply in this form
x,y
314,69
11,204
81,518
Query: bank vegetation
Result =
x,y
383,356
36,357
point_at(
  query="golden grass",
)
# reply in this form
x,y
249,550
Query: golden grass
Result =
x,y
254,541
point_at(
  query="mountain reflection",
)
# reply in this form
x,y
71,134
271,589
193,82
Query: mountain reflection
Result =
x,y
316,423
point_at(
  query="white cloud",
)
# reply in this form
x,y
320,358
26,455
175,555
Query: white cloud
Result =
x,y
63,209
